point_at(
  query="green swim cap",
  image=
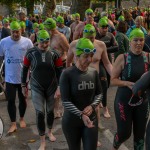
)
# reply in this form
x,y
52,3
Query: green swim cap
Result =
x,y
60,19
77,15
105,17
5,20
89,30
22,24
50,23
136,33
35,25
84,45
102,22
42,36
41,26
89,11
15,25
121,18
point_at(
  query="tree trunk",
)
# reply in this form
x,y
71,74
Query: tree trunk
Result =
x,y
49,7
117,3
79,6
30,6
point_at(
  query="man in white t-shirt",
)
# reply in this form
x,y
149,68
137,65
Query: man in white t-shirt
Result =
x,y
13,48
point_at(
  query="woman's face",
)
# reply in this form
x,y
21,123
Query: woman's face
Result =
x,y
138,23
85,59
136,45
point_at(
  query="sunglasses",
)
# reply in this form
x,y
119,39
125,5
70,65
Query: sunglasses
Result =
x,y
104,27
43,40
88,31
89,13
135,104
87,50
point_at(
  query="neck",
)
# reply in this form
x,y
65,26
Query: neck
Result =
x,y
54,31
84,69
90,22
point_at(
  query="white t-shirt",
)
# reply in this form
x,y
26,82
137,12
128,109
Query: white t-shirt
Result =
x,y
14,52
66,31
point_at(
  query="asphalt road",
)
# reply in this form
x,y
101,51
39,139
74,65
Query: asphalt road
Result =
x,y
28,139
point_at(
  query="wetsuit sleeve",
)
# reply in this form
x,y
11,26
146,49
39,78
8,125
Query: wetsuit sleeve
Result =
x,y
114,45
98,94
58,64
24,73
142,84
65,94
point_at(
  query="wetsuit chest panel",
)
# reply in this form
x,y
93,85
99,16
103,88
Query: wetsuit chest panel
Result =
x,y
135,66
42,68
82,86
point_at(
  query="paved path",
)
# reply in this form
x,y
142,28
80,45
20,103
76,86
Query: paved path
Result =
x,y
28,139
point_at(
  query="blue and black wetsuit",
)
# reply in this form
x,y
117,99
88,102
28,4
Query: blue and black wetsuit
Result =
x,y
136,113
142,85
46,67
79,90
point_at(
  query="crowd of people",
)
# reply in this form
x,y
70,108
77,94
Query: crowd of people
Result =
x,y
68,62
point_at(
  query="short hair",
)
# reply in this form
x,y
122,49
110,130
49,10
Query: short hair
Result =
x,y
139,18
122,26
104,14
21,14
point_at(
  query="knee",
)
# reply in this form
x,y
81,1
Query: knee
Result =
x,y
40,116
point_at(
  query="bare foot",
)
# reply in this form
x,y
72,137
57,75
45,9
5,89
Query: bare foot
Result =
x,y
99,144
22,123
101,127
13,128
106,114
57,115
51,137
42,146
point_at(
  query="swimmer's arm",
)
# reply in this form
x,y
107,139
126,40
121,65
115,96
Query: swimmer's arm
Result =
x,y
66,94
64,44
70,55
105,59
116,71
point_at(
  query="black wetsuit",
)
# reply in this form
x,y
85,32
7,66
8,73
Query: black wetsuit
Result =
x,y
142,85
136,113
79,90
46,68
112,47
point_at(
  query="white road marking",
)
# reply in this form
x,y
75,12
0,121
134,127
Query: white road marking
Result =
x,y
110,137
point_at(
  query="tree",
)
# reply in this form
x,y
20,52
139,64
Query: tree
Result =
x,y
137,2
79,6
49,7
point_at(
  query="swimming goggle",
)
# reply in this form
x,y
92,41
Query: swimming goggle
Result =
x,y
88,31
43,40
87,50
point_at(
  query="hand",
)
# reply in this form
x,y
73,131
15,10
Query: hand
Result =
x,y
129,84
57,93
88,110
87,122
25,92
